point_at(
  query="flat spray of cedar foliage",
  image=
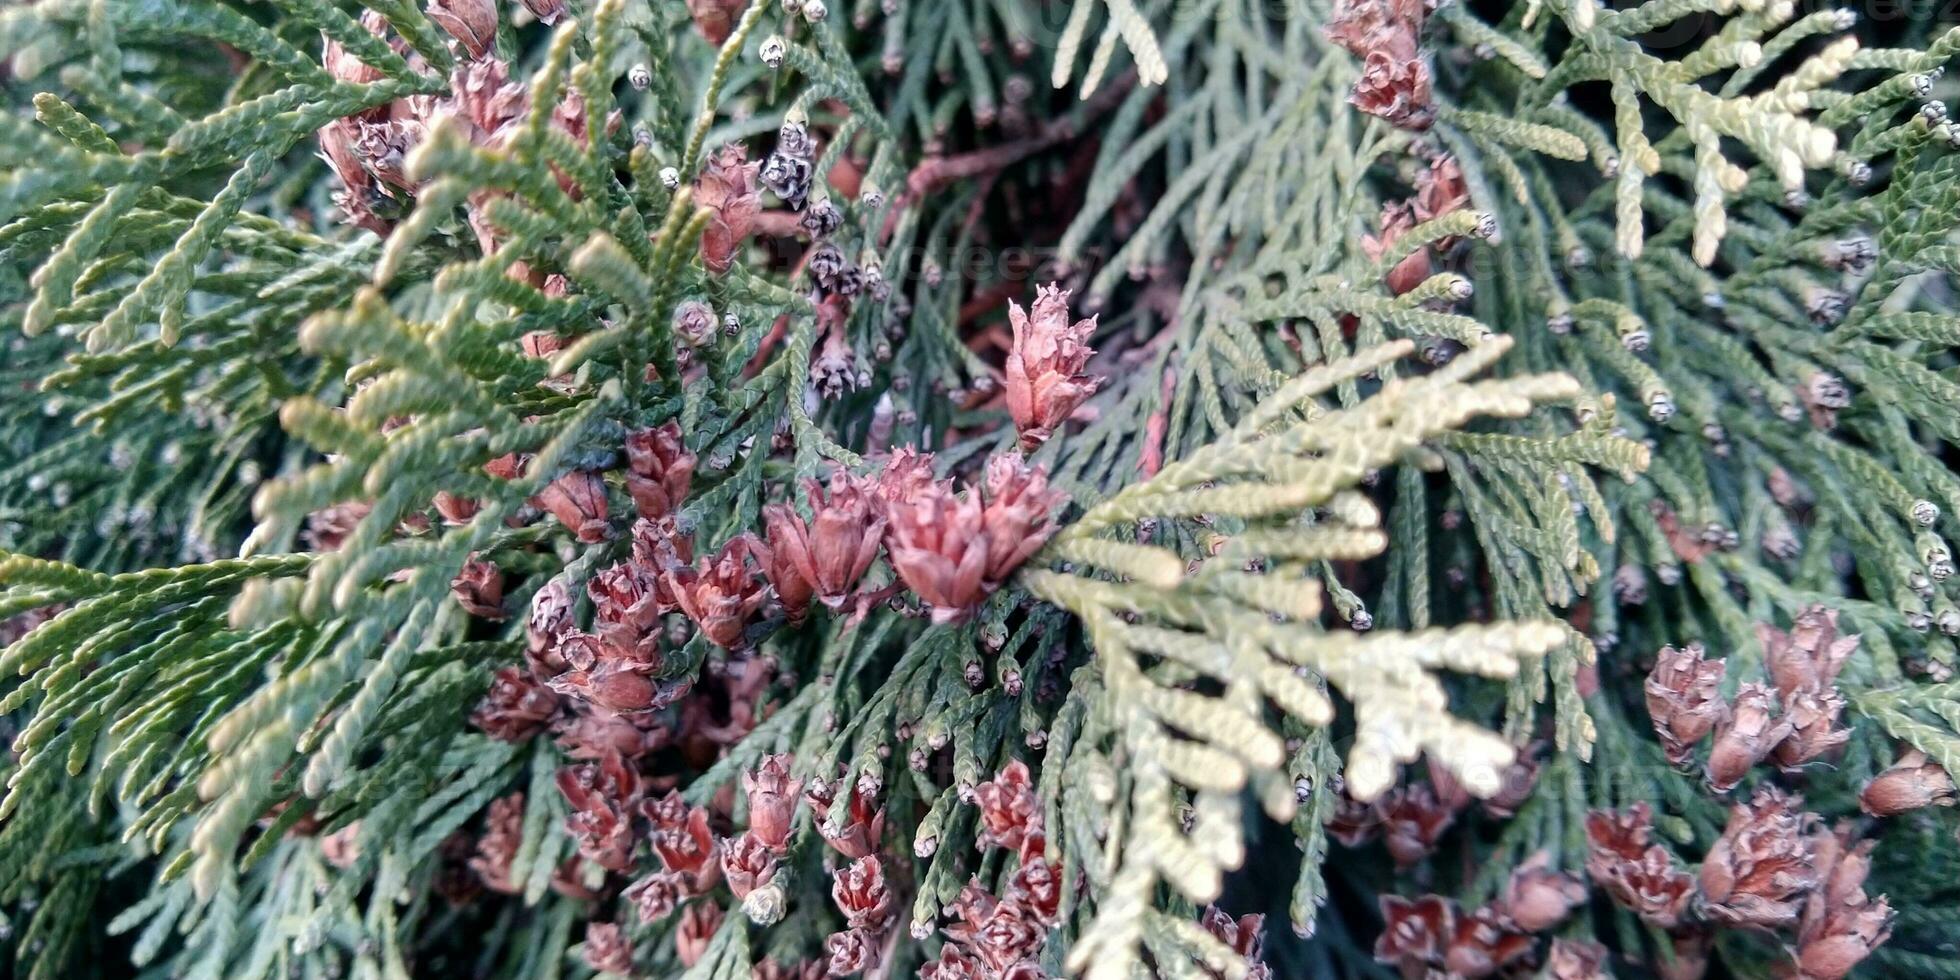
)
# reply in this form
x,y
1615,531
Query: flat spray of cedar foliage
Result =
x,y
978,489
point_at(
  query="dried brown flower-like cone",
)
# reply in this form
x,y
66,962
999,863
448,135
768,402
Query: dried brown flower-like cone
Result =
x,y
479,589
1415,933
454,510
682,841
1037,884
938,545
1245,935
699,922
953,963
785,545
588,736
546,11
801,970
1840,925
1009,812
772,797
864,822
551,616
1691,947
907,473
503,834
1045,377
516,708
836,546
747,863
473,23
1575,959
1684,698
1441,189
1016,516
659,470
1759,871
1537,898
1810,655
851,952
714,20
1754,727
1637,873
602,796
1912,782
627,603
1397,90
659,544
607,949
328,528
1354,823
1397,218
1389,26
723,594
1415,821
1484,943
598,676
1518,781
1001,934
578,500
728,188
860,893
1814,734
657,895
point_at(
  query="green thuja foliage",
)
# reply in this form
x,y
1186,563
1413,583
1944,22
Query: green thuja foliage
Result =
x,y
1426,417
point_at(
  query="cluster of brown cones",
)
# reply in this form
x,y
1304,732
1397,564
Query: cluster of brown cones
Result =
x,y
1775,869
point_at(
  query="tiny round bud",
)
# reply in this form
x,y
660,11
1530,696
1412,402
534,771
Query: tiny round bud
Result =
x,y
1486,227
670,178
815,10
639,76
1925,512
1461,289
1660,406
1362,620
774,50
